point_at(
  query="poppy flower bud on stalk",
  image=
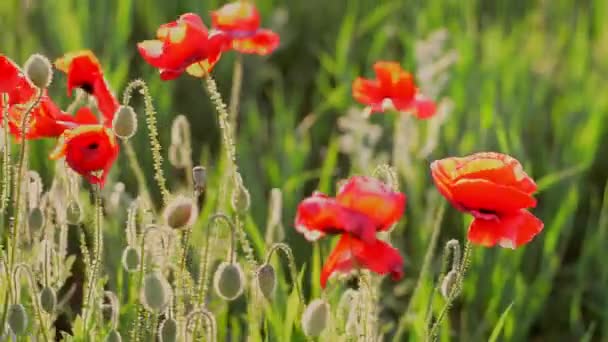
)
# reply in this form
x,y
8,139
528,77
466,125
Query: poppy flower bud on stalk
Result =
x,y
229,280
17,319
35,219
125,122
241,199
448,283
156,292
48,300
113,336
315,318
266,280
39,71
73,212
181,212
130,259
168,330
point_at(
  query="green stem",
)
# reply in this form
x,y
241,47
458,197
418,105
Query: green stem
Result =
x,y
6,157
98,244
235,92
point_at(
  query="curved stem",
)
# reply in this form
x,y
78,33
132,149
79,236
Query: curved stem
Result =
x,y
211,324
34,290
292,266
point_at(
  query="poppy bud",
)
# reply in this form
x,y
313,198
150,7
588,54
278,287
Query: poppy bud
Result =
x,y
266,279
176,156
181,212
35,219
39,71
229,280
199,177
168,330
73,212
130,259
240,197
125,122
113,336
315,318
156,292
48,300
448,283
17,319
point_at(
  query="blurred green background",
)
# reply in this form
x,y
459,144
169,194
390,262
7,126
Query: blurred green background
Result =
x,y
531,80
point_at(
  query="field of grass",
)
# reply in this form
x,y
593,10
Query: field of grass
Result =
x,y
527,78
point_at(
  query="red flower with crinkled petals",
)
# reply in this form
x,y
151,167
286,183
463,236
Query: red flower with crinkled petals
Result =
x,y
494,189
84,71
362,207
90,150
240,21
184,45
393,88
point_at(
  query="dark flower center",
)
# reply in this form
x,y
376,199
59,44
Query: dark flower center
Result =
x,y
93,146
88,87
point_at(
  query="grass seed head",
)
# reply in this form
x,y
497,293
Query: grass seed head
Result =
x,y
39,71
315,317
229,280
125,122
17,319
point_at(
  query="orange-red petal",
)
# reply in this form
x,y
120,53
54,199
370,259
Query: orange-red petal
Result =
x,y
351,253
509,231
262,42
483,195
236,16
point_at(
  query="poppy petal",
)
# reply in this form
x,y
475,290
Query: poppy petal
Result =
x,y
424,108
510,231
350,253
368,92
236,16
263,43
486,196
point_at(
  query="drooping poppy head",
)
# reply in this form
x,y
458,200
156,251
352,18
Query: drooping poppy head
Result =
x,y
184,45
494,188
393,89
240,21
84,71
90,150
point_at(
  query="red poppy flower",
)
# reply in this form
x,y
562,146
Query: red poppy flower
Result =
x,y
84,72
240,20
494,189
393,88
90,150
362,207
184,45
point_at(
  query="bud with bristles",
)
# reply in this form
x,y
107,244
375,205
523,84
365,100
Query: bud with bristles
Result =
x,y
266,280
17,319
181,212
125,122
48,300
315,318
35,219
199,177
168,330
113,336
156,292
130,259
73,212
39,71
448,283
240,200
229,280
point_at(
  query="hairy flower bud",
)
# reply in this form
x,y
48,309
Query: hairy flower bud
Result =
x,y
168,330
448,283
73,212
240,199
39,71
229,280
35,219
156,292
113,336
17,319
130,259
177,156
181,212
315,318
199,177
266,280
125,122
48,300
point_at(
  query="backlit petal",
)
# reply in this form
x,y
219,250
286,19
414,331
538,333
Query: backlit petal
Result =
x,y
509,231
263,42
486,196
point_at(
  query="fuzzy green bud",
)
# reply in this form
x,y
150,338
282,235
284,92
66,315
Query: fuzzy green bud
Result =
x,y
315,318
156,292
39,71
240,199
113,336
125,122
168,330
35,219
130,259
73,213
199,177
48,300
448,283
266,280
17,319
181,212
229,280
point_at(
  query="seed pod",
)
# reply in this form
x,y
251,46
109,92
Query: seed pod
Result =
x,y
48,300
39,71
199,177
266,280
35,219
448,283
113,336
181,212
168,330
17,319
240,199
130,259
125,122
229,280
156,292
73,213
315,318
